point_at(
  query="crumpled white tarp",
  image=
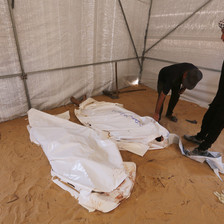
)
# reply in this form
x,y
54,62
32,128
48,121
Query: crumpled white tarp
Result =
x,y
130,131
134,133
84,164
214,161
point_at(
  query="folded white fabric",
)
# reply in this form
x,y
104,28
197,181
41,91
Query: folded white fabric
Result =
x,y
130,131
81,161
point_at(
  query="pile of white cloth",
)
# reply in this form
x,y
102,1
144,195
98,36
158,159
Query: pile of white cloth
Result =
x,y
86,161
89,167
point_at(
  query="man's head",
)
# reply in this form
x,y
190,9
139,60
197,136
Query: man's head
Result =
x,y
221,25
191,78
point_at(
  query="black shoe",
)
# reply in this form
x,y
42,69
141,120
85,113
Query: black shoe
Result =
x,y
198,152
172,118
193,138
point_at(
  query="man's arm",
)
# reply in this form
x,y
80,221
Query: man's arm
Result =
x,y
159,104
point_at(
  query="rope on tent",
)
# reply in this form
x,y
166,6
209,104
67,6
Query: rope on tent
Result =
x,y
178,26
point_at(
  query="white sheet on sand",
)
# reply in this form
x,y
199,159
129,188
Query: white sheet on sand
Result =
x,y
89,167
134,133
130,131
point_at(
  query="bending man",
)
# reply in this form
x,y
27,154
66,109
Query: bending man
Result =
x,y
176,78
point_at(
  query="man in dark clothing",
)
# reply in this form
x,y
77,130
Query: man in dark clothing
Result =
x,y
176,78
213,120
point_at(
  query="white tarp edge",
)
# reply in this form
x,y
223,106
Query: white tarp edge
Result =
x,y
80,158
104,202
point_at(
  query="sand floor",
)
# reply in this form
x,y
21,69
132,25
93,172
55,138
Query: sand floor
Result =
x,y
169,187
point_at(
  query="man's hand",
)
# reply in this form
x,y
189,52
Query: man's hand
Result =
x,y
156,117
182,90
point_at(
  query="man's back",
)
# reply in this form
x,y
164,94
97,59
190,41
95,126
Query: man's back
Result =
x,y
171,76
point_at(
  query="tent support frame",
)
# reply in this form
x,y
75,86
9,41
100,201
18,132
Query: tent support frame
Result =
x,y
23,75
182,22
174,62
130,35
68,67
145,40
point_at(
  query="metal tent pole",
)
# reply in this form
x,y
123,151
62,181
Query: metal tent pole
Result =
x,y
98,63
79,66
177,26
174,62
23,75
10,76
129,33
116,81
145,40
68,67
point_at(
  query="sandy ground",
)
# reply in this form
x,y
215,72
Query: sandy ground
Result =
x,y
169,187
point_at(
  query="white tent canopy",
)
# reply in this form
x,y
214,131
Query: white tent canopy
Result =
x,y
52,49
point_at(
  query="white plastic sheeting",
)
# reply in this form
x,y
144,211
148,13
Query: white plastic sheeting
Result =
x,y
56,34
130,131
102,201
214,160
82,162
196,41
134,133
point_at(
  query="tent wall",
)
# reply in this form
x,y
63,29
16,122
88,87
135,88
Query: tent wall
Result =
x,y
54,34
196,41
69,48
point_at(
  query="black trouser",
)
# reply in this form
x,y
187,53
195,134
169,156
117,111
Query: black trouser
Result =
x,y
173,99
212,125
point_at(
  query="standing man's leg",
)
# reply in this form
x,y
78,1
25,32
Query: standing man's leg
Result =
x,y
207,122
214,131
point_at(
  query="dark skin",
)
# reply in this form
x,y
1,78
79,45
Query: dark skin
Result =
x,y
161,99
